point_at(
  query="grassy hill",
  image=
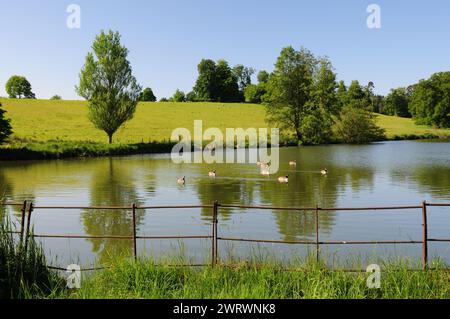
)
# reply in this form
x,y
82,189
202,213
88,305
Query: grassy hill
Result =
x,y
43,120
38,121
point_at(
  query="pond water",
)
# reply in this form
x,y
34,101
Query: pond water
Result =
x,y
388,173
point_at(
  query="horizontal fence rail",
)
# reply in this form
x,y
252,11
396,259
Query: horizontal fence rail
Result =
x,y
27,209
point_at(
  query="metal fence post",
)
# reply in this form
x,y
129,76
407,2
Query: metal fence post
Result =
x,y
214,234
424,236
22,221
317,232
27,231
134,232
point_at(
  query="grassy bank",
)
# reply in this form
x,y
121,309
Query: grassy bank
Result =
x,y
127,279
24,274
58,129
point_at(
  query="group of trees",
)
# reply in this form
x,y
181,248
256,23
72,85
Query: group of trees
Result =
x,y
304,98
301,95
429,102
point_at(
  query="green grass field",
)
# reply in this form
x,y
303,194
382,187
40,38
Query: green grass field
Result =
x,y
43,120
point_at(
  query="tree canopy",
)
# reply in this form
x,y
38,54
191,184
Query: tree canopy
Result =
x,y
18,87
430,100
217,82
397,103
107,82
178,96
147,95
301,87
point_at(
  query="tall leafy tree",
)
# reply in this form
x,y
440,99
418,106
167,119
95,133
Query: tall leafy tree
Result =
x,y
356,94
302,94
341,94
206,85
397,103
430,100
227,83
263,76
5,126
216,82
290,89
19,87
147,95
107,82
324,91
243,75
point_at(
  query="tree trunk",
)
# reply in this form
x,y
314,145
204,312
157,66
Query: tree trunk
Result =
x,y
299,135
110,136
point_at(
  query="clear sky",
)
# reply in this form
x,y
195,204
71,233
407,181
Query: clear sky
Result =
x,y
167,39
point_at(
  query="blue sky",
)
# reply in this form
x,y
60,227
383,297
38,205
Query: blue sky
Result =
x,y
168,38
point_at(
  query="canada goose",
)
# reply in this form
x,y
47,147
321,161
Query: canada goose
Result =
x,y
181,180
324,171
212,174
283,179
293,163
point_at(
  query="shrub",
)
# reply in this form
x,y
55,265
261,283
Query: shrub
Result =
x,y
357,126
5,126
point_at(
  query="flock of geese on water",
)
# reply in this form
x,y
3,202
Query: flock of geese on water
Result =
x,y
264,168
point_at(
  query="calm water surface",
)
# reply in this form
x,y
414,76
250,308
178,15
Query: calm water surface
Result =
x,y
390,173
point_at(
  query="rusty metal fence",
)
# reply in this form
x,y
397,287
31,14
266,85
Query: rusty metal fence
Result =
x,y
27,209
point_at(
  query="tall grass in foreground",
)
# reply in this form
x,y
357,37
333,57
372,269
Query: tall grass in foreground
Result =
x,y
23,274
143,279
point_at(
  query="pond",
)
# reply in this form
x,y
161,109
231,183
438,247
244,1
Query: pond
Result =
x,y
381,174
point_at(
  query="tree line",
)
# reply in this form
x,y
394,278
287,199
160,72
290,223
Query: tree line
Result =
x,y
302,96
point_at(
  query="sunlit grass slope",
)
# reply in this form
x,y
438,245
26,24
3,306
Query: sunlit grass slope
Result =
x,y
43,120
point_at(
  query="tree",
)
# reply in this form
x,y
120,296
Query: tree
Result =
x,y
206,87
341,94
263,76
430,100
216,82
355,94
254,93
106,81
178,96
191,97
56,97
397,103
289,89
147,95
18,87
316,127
227,83
324,91
357,126
301,86
244,77
5,126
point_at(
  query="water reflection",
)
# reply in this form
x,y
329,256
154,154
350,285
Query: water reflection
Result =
x,y
379,174
112,184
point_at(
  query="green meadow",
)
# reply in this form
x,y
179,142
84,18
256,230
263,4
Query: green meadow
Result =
x,y
49,128
44,120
